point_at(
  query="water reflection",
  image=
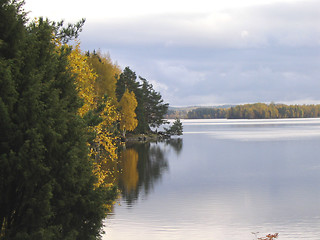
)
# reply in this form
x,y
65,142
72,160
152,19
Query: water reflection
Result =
x,y
143,165
176,144
225,181
129,177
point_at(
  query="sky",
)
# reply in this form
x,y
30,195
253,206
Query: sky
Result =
x,y
205,52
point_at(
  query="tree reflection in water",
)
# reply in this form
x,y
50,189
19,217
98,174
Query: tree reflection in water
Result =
x,y
176,144
143,165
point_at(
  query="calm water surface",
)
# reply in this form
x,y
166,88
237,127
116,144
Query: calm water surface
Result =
x,y
224,179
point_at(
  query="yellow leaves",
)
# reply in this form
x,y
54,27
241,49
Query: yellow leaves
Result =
x,y
106,74
103,149
130,175
128,104
85,79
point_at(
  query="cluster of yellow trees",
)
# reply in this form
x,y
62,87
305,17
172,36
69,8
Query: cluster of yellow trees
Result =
x,y
60,120
96,77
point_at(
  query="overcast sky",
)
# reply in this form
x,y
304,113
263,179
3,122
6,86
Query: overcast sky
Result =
x,y
206,52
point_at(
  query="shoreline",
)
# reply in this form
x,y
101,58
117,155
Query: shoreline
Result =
x,y
151,137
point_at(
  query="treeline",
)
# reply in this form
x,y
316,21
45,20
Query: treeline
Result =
x,y
62,113
257,111
207,113
266,111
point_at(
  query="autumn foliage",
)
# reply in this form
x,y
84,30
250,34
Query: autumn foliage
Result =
x,y
269,237
48,189
85,79
60,124
103,146
128,104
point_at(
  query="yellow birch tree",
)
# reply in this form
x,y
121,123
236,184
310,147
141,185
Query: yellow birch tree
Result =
x,y
107,71
128,104
130,176
85,79
103,147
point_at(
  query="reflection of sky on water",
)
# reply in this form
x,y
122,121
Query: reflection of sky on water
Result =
x,y
223,188
255,130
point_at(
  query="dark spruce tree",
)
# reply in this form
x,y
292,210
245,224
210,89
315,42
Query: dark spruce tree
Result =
x,y
46,188
176,128
128,80
153,105
151,108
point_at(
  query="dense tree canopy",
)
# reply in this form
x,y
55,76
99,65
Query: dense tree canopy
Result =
x,y
128,104
46,179
153,105
200,113
151,109
264,111
99,112
61,114
257,111
107,74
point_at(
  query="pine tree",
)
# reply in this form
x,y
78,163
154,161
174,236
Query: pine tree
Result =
x,y
151,108
153,105
176,128
128,80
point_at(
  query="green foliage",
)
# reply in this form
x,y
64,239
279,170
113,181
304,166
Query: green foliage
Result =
x,y
207,113
153,105
176,128
12,20
151,109
46,189
127,80
68,33
265,111
257,111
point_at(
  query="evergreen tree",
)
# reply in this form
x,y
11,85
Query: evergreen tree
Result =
x,y
151,109
127,80
176,128
46,188
153,105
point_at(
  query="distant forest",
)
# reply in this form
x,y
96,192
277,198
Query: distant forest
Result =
x,y
247,111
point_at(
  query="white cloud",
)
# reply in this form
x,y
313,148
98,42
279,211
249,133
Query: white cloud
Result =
x,y
292,24
158,86
127,9
207,52
244,34
179,73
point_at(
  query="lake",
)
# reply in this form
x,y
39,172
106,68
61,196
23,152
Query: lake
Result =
x,y
223,179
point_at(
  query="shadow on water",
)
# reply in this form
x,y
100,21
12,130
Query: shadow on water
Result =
x,y
176,144
142,166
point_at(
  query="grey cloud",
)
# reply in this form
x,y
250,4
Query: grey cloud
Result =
x,y
293,24
264,54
